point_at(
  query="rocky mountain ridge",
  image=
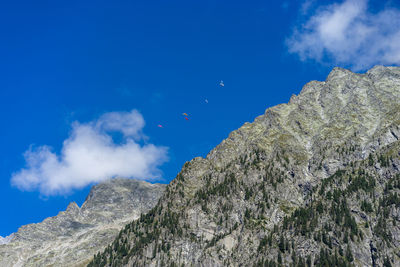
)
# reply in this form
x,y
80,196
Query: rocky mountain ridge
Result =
x,y
6,240
313,182
74,235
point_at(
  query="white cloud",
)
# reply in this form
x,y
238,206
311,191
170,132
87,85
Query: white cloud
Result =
x,y
349,35
90,155
129,123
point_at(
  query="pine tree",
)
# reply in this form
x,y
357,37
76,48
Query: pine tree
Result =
x,y
309,261
282,244
349,255
386,262
279,257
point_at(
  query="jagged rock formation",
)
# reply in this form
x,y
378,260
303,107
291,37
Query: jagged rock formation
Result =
x,y
6,240
73,236
314,182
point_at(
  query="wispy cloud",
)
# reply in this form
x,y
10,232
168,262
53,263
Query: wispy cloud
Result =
x,y
90,155
306,6
348,34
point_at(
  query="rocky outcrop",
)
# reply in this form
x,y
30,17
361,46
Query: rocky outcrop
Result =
x,y
73,236
6,240
311,182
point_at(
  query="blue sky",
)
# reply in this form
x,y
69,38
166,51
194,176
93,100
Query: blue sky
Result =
x,y
75,65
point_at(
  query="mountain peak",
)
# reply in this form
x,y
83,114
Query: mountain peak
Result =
x,y
338,72
317,178
75,234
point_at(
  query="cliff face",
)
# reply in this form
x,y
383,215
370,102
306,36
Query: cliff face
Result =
x,y
73,236
312,182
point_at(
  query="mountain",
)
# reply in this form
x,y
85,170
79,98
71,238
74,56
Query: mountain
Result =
x,y
314,182
73,236
5,240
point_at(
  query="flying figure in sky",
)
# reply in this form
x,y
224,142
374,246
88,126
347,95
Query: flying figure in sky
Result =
x,y
185,114
160,126
221,83
206,101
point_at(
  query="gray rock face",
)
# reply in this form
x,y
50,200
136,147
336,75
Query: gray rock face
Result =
x,y
310,181
73,236
6,240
